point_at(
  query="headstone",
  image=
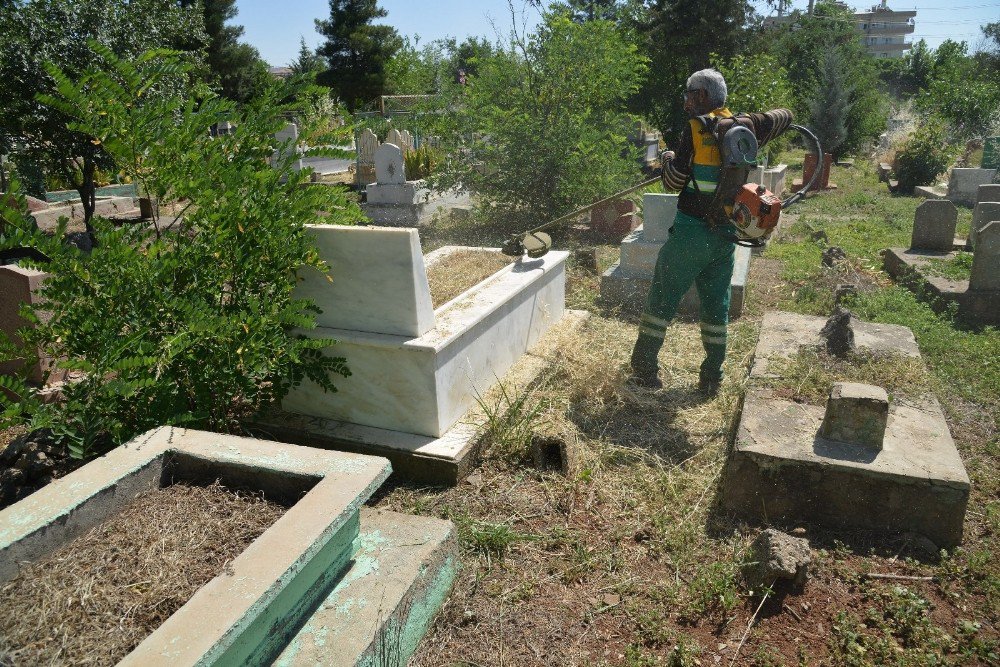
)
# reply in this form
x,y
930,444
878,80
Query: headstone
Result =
x,y
389,168
984,213
991,153
287,139
394,137
658,211
988,192
963,184
986,259
809,166
856,414
614,219
838,333
367,145
406,137
934,225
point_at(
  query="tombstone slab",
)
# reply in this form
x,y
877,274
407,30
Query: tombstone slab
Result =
x,y
983,214
781,469
986,260
389,168
911,268
658,211
963,184
934,225
856,414
988,192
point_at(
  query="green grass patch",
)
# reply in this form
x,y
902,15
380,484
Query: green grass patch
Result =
x,y
808,376
958,267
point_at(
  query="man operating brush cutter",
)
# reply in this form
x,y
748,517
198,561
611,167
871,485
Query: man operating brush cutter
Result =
x,y
713,157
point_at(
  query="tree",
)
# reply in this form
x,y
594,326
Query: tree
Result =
x,y
547,121
307,61
35,32
192,320
356,51
679,37
830,107
235,68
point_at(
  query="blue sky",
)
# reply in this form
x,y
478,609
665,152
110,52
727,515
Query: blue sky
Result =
x,y
274,27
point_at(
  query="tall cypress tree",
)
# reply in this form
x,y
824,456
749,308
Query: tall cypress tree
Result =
x,y
832,102
356,50
236,67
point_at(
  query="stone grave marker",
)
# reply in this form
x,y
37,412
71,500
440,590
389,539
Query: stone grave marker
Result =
x,y
988,192
984,213
991,153
986,260
856,414
389,168
394,137
934,225
964,182
367,143
406,139
287,138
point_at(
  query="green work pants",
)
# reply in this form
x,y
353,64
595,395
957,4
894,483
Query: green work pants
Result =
x,y
692,254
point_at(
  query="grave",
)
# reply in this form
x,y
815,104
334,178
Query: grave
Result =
x,y
393,200
983,213
627,282
367,144
287,139
417,371
772,178
809,167
48,218
326,568
615,219
865,461
914,267
963,184
20,285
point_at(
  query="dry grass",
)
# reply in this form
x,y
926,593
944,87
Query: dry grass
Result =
x,y
458,271
808,376
96,598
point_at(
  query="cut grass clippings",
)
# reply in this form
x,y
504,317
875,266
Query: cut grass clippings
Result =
x,y
96,598
458,271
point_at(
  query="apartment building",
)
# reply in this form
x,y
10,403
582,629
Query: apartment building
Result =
x,y
882,30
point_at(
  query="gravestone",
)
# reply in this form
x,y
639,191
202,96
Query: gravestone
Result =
x,y
988,192
986,260
991,153
856,414
406,139
934,225
367,145
984,213
394,137
658,211
963,184
287,139
389,168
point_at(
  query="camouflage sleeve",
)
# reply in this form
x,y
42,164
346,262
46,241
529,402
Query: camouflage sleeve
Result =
x,y
770,125
677,171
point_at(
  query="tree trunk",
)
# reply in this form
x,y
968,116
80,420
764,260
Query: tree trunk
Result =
x,y
88,195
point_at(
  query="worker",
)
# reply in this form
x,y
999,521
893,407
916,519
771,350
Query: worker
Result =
x,y
697,252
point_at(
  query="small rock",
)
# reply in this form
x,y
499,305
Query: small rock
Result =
x,y
41,466
81,240
922,545
12,452
844,290
832,255
838,332
778,557
799,532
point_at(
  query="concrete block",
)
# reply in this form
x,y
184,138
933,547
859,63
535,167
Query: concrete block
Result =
x,y
986,260
393,194
930,192
983,214
988,192
856,414
21,286
658,211
963,184
976,306
780,469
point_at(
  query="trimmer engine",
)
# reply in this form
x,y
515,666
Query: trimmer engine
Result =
x,y
756,211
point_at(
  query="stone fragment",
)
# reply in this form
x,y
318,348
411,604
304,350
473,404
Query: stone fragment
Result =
x,y
778,557
586,259
986,260
832,255
843,291
838,333
934,225
856,414
389,165
983,214
552,453
963,184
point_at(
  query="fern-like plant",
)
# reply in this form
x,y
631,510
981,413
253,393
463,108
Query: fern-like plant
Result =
x,y
190,319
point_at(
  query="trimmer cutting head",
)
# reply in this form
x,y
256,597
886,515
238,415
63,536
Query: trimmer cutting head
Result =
x,y
534,244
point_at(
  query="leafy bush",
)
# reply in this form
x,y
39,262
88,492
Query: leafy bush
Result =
x,y
189,320
924,155
543,124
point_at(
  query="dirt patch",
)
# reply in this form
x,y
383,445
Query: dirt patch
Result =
x,y
458,271
96,598
29,461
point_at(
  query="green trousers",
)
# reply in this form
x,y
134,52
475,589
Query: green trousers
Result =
x,y
692,254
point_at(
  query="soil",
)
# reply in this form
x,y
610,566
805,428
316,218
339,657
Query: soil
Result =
x,y
96,598
458,271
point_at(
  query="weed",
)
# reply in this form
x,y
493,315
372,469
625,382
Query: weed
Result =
x,y
510,416
491,540
958,267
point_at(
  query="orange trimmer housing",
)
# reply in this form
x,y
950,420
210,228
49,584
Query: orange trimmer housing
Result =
x,y
756,211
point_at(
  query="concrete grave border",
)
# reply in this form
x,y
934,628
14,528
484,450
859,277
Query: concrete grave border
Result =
x,y
244,615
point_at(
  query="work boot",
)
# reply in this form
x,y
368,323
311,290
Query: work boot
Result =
x,y
709,387
646,381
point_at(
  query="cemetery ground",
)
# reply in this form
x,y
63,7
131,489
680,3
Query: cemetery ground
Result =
x,y
629,560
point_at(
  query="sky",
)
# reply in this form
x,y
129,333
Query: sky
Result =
x,y
274,26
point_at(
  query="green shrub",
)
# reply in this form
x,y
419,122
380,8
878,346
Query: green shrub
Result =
x,y
188,320
924,155
420,163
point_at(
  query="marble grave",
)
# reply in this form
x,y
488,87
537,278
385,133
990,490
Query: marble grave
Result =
x,y
391,199
627,281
